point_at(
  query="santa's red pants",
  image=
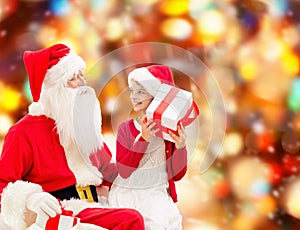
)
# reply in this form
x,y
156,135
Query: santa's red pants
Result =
x,y
113,218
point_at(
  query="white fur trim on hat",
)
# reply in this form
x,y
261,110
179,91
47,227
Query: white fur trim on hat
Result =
x,y
64,69
13,202
145,79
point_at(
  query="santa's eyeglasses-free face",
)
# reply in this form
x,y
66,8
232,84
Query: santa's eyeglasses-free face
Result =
x,y
76,81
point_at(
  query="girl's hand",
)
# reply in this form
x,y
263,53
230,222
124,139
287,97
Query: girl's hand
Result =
x,y
180,139
147,126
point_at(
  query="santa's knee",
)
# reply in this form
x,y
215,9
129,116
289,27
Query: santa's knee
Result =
x,y
134,219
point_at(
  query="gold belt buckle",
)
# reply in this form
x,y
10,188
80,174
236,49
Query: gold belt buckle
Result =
x,y
85,193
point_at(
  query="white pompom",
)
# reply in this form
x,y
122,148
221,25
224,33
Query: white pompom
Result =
x,y
36,109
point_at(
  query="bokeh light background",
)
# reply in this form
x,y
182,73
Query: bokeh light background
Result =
x,y
252,48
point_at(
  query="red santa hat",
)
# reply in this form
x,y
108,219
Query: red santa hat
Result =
x,y
151,77
58,60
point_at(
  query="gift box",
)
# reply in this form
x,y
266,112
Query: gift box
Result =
x,y
63,221
169,107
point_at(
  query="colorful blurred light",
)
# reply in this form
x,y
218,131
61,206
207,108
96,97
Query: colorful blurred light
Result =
x,y
244,175
47,34
233,144
196,224
290,199
75,23
96,4
277,8
114,29
5,123
176,28
71,42
295,124
211,26
265,205
7,8
290,141
9,99
291,35
94,71
259,142
290,62
260,188
275,173
27,91
293,99
3,33
138,7
174,8
255,42
221,188
242,221
197,7
191,192
291,164
250,22
59,7
248,70
231,105
225,78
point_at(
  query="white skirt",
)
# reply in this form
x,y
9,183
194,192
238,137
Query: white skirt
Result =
x,y
154,204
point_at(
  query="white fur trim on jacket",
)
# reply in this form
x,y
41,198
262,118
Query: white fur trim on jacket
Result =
x,y
83,226
3,225
145,79
79,226
77,205
13,202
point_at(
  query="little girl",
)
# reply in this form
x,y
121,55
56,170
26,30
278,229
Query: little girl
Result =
x,y
148,166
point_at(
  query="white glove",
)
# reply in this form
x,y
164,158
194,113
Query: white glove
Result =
x,y
43,204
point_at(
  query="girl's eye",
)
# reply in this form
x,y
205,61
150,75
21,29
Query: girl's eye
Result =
x,y
141,92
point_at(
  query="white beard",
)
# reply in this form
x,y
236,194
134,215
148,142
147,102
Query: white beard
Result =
x,y
77,115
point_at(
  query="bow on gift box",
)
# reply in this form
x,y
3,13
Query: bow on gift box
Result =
x,y
170,107
63,221
186,120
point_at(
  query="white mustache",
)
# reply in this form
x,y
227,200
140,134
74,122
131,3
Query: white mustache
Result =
x,y
82,90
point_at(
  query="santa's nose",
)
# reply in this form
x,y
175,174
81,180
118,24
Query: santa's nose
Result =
x,y
76,82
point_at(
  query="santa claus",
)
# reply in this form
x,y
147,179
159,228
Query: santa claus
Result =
x,y
55,156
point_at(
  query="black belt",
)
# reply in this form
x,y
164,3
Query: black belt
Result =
x,y
87,193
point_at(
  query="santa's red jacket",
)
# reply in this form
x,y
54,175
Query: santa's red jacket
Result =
x,y
33,160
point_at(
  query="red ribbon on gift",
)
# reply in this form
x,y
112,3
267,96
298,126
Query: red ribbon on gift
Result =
x,y
53,223
161,108
186,120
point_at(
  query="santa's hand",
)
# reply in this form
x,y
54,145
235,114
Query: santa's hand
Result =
x,y
44,204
